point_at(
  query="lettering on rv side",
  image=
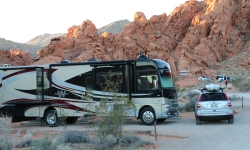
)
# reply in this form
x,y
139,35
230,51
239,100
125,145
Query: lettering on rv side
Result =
x,y
61,93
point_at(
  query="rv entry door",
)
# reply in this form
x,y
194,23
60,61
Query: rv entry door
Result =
x,y
39,85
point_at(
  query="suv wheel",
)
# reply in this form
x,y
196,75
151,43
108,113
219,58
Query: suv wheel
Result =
x,y
231,120
198,121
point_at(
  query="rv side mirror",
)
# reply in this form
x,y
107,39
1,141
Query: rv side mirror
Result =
x,y
155,84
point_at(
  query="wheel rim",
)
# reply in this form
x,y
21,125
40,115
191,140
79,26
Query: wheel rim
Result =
x,y
148,116
51,118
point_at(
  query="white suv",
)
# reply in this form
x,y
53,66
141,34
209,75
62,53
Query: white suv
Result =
x,y
213,104
222,78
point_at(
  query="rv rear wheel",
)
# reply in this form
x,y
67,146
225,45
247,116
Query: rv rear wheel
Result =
x,y
147,116
51,118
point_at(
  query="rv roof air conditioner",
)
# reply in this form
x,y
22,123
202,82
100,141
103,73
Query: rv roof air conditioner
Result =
x,y
92,59
142,57
65,62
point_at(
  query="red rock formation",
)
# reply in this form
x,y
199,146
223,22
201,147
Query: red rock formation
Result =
x,y
15,57
194,37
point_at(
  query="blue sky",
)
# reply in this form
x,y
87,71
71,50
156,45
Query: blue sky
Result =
x,y
22,20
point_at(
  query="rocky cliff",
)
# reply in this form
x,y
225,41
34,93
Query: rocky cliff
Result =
x,y
196,36
8,45
43,40
15,57
113,27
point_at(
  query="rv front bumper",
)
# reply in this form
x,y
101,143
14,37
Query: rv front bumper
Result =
x,y
171,112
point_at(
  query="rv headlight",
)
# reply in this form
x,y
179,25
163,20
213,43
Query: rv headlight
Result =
x,y
166,105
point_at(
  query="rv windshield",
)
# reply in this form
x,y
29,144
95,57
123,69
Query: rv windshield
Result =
x,y
166,78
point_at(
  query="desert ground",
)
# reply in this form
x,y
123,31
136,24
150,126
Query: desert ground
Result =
x,y
175,133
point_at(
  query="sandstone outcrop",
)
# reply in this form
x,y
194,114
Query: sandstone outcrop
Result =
x,y
196,36
15,57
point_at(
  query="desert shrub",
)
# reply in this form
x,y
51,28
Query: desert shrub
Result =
x,y
129,139
175,78
44,143
245,39
25,143
234,98
111,112
5,143
242,84
188,107
132,142
127,142
108,142
74,137
182,89
193,95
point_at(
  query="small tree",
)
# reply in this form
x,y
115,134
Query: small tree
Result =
x,y
111,112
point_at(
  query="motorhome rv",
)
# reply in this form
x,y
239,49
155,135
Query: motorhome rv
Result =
x,y
45,91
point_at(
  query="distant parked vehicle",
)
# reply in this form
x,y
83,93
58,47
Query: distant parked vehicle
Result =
x,y
222,78
204,79
5,65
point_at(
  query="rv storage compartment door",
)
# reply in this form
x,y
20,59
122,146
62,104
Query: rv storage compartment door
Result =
x,y
39,85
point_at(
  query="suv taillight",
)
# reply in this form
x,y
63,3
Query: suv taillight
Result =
x,y
198,105
228,101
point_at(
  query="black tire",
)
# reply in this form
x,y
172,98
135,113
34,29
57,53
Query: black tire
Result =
x,y
147,116
198,121
161,119
51,118
71,120
231,120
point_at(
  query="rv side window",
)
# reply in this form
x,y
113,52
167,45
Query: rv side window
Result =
x,y
88,82
147,79
113,76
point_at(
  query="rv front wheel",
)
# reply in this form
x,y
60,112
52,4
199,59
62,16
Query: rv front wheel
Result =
x,y
147,116
51,118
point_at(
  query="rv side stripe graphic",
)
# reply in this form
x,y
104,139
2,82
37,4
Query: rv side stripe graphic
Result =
x,y
60,86
64,103
19,72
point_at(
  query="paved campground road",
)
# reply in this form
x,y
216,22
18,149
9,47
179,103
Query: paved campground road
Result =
x,y
182,133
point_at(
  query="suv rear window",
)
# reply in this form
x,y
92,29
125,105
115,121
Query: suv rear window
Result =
x,y
213,97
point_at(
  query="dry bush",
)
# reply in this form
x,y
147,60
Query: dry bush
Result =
x,y
192,97
111,113
242,84
5,143
75,137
